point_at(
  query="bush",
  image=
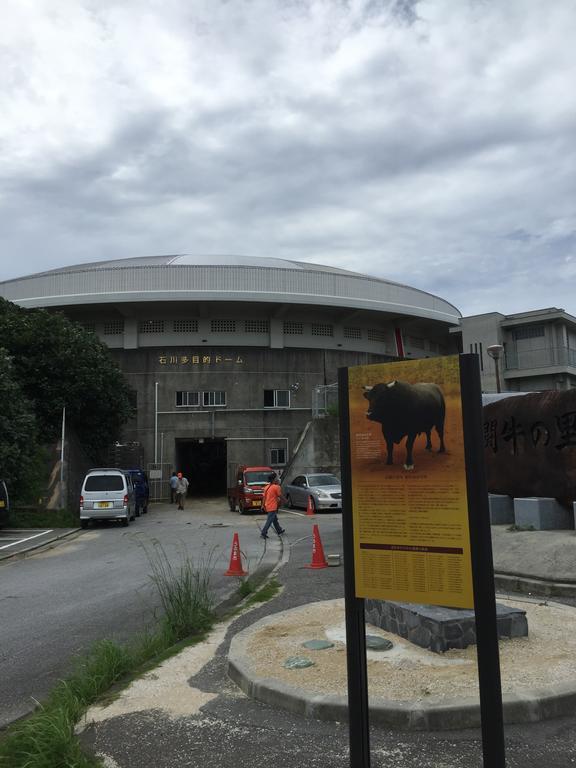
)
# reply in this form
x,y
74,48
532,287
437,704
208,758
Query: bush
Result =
x,y
31,517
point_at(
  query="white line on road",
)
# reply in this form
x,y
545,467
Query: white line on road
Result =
x,y
28,538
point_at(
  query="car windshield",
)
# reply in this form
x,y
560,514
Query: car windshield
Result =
x,y
315,480
256,478
104,483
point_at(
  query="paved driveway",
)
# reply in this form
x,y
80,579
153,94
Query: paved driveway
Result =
x,y
56,601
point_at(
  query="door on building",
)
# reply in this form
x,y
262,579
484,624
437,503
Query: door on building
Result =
x,y
203,461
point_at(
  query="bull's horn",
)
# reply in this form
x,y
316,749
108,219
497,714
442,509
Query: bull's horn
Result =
x,y
368,389
391,384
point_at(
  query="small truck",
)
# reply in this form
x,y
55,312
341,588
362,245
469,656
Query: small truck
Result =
x,y
245,495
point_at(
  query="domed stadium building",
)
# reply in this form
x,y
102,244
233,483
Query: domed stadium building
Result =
x,y
226,353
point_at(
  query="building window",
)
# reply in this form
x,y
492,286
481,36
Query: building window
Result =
x,y
88,326
277,456
375,334
223,326
256,326
187,399
151,326
319,329
352,333
276,398
293,329
529,332
214,398
114,328
185,326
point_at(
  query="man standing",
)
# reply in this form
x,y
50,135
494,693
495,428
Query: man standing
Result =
x,y
270,502
173,483
181,489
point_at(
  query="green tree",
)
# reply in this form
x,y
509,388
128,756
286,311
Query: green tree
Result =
x,y
18,438
58,364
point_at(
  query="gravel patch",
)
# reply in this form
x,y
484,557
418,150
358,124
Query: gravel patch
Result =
x,y
407,672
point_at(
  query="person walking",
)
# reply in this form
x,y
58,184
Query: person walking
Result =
x,y
173,483
271,500
181,489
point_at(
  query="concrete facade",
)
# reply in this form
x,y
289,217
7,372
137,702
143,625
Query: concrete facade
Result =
x,y
539,349
225,352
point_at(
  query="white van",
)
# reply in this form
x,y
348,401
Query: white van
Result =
x,y
107,494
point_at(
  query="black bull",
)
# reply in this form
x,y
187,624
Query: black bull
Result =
x,y
407,410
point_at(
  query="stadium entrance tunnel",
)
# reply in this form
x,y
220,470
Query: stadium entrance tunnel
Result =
x,y
203,461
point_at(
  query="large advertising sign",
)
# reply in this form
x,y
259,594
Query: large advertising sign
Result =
x,y
408,480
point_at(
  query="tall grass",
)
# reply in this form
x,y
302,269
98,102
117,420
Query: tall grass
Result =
x,y
46,739
185,594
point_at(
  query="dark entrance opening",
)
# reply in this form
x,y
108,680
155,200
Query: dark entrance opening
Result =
x,y
203,461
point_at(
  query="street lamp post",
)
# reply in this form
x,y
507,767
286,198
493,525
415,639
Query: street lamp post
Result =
x,y
495,351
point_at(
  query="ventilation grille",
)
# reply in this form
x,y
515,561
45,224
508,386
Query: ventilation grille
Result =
x,y
256,326
375,334
293,329
185,326
223,326
151,326
318,329
114,328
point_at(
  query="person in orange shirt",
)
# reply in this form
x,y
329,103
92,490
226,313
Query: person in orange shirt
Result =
x,y
271,500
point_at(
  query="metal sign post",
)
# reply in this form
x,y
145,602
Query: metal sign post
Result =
x,y
358,719
482,567
417,536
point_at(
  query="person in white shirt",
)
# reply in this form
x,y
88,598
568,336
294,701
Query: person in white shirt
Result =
x,y
181,490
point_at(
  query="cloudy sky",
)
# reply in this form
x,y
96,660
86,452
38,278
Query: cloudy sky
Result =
x,y
431,142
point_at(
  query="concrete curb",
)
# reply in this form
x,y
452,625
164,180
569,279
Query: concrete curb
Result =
x,y
421,715
508,582
39,545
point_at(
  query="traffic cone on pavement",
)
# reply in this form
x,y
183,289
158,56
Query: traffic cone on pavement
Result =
x,y
310,506
235,567
318,558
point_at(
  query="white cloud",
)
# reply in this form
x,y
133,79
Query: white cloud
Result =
x,y
430,142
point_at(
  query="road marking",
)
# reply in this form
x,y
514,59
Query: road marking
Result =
x,y
28,538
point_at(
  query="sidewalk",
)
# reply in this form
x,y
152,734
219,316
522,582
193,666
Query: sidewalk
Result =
x,y
188,712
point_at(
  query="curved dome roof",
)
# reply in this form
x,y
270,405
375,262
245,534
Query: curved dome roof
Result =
x,y
202,260
183,277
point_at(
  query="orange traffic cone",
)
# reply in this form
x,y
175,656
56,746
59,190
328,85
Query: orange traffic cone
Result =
x,y
235,567
310,506
318,558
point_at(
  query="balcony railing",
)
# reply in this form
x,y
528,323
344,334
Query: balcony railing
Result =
x,y
542,357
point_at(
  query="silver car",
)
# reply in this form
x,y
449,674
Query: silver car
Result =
x,y
324,489
107,494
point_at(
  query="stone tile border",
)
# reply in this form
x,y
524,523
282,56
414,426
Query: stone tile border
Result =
x,y
430,715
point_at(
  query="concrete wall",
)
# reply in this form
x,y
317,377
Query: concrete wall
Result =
x,y
319,450
478,333
249,428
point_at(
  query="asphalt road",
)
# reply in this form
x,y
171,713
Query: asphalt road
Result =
x,y
55,602
232,730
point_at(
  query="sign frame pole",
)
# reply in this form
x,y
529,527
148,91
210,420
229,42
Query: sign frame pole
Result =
x,y
493,745
358,707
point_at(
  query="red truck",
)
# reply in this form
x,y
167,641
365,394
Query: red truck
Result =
x,y
246,493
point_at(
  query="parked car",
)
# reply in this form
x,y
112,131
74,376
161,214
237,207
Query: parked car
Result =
x,y
141,490
246,493
325,490
107,494
4,504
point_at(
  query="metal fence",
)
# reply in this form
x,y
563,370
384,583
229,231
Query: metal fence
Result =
x,y
325,401
159,481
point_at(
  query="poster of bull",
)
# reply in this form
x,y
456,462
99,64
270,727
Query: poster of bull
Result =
x,y
408,480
